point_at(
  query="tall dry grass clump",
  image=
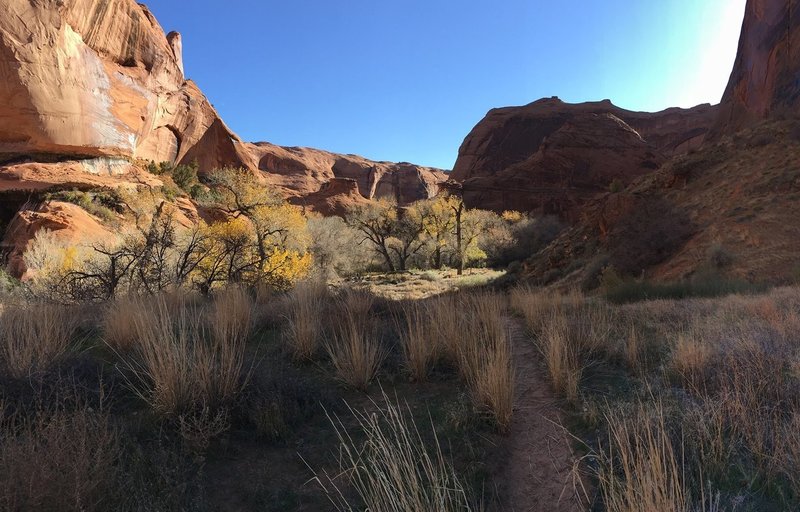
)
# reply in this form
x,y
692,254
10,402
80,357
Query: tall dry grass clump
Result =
x,y
56,459
180,363
447,328
538,306
391,467
307,303
571,339
231,317
691,358
485,355
561,356
119,326
34,336
355,347
640,469
419,346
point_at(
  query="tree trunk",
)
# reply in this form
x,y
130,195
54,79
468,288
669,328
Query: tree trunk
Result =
x,y
459,248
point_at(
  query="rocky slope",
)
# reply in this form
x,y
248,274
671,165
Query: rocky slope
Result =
x,y
550,156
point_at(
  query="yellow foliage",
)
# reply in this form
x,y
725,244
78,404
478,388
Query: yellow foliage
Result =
x,y
512,216
69,258
283,268
237,230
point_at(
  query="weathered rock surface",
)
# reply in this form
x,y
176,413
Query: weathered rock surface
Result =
x,y
549,156
84,174
100,78
336,197
304,171
765,82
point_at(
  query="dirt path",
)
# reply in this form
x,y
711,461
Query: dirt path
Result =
x,y
536,475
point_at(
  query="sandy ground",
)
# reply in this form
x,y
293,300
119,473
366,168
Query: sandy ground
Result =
x,y
537,474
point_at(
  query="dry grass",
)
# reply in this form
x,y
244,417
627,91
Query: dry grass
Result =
x,y
569,330
537,306
119,327
34,336
420,350
494,381
726,369
231,316
640,469
57,460
179,364
307,311
392,469
485,355
691,358
447,330
561,356
355,348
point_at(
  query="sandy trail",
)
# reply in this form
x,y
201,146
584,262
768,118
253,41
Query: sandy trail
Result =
x,y
536,474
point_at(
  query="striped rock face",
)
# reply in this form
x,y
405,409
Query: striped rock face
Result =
x,y
91,78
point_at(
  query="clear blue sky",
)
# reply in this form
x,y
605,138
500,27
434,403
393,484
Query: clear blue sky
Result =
x,y
406,80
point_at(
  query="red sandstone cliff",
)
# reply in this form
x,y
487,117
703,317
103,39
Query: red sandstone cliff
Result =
x,y
550,156
765,82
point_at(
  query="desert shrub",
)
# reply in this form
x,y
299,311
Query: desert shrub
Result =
x,y
184,176
58,459
34,336
337,248
266,247
719,257
393,469
307,303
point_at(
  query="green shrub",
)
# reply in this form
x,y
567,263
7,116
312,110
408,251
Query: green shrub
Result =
x,y
719,256
631,290
102,203
616,186
184,176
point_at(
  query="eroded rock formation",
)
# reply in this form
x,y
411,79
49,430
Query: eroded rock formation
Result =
x,y
304,171
90,78
550,155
